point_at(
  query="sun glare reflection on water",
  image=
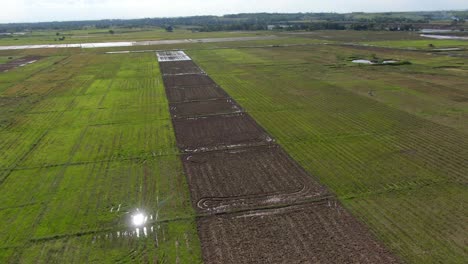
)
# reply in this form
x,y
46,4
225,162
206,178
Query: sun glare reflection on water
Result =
x,y
139,218
140,224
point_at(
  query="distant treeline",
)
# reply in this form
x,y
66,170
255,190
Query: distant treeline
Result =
x,y
310,26
256,21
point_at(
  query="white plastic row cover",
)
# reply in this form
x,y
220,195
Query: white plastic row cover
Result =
x,y
172,56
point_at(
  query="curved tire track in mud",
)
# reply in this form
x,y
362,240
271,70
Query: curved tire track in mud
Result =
x,y
255,204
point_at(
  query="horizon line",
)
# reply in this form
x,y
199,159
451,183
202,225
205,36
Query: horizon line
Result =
x,y
163,17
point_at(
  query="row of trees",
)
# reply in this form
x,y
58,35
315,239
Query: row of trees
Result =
x,y
311,27
253,21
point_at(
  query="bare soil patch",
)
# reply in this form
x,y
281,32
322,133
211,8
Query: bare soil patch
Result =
x,y
218,132
200,93
314,233
179,67
18,63
200,108
247,178
189,80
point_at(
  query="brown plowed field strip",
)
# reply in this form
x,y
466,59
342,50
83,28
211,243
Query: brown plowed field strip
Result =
x,y
202,108
218,132
195,94
18,62
187,80
255,203
247,177
180,67
314,233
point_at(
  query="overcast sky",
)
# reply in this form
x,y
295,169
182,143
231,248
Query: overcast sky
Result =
x,y
62,10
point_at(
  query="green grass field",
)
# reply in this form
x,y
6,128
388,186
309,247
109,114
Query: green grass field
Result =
x,y
85,142
399,169
86,139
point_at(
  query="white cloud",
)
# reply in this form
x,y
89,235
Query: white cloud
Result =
x,y
12,11
57,10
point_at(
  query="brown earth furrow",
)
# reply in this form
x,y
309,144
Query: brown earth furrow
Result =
x,y
300,243
203,108
187,80
205,180
18,63
243,173
180,67
275,234
200,93
218,132
255,204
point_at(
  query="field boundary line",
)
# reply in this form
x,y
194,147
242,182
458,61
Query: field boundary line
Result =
x,y
109,229
142,158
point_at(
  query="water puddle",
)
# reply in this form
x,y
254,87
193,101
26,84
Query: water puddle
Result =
x,y
106,45
430,30
443,37
29,62
134,43
139,219
375,63
448,49
143,232
118,52
363,61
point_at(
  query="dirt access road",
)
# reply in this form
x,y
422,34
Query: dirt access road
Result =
x,y
255,203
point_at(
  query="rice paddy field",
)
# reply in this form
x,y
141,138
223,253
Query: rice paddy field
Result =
x,y
86,141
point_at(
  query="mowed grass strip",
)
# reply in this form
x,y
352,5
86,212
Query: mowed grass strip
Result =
x,y
424,224
92,144
380,159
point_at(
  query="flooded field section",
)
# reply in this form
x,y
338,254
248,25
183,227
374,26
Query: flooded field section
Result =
x,y
135,43
444,37
18,63
255,204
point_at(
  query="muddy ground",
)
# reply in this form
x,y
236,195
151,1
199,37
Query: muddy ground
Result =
x,y
199,93
180,67
313,233
255,204
218,132
203,108
188,80
245,178
18,63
